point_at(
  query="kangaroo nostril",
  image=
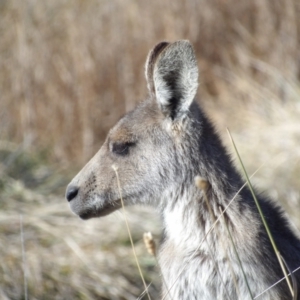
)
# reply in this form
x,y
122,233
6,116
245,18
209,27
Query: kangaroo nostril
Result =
x,y
72,192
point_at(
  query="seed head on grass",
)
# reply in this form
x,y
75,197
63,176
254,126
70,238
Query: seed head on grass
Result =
x,y
114,167
149,243
151,248
201,183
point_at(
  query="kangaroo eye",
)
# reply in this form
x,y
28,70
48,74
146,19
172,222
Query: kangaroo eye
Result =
x,y
121,148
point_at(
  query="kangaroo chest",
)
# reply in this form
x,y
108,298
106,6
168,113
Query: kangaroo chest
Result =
x,y
205,274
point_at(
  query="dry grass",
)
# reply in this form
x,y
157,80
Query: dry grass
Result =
x,y
65,258
69,69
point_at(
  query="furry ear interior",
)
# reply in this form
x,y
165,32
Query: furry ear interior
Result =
x,y
172,76
150,62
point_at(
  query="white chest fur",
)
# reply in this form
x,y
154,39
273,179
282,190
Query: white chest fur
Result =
x,y
199,266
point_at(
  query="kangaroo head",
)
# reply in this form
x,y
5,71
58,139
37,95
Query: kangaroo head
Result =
x,y
147,146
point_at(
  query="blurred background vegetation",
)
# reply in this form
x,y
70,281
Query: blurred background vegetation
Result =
x,y
70,69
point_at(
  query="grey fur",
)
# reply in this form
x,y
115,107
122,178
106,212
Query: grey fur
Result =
x,y
159,149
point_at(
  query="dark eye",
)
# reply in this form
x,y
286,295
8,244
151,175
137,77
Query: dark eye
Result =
x,y
121,148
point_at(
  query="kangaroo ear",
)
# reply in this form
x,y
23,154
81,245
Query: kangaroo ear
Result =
x,y
150,63
172,76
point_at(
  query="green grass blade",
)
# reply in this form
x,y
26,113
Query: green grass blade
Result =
x,y
262,216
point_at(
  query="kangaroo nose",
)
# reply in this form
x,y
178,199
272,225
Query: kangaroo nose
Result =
x,y
72,192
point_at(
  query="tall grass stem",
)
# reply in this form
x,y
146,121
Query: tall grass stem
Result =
x,y
24,261
262,216
129,232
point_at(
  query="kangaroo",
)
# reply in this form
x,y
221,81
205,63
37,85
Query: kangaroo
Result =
x,y
159,149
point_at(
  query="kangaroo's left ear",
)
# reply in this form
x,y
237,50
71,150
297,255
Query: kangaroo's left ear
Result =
x,y
172,76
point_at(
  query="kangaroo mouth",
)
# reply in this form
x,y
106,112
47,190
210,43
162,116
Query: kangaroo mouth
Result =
x,y
104,210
